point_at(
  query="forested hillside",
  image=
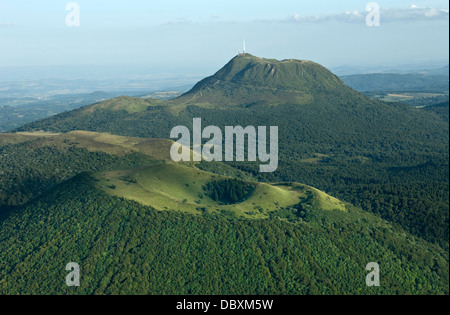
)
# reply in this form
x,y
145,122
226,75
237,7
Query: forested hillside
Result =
x,y
123,247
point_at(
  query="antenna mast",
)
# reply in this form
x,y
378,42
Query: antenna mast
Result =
x,y
244,52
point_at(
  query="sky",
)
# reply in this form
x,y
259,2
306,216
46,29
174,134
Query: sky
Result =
x,y
205,34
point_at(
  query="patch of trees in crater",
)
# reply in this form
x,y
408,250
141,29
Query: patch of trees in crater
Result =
x,y
229,191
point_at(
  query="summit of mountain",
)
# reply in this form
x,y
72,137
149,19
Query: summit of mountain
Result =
x,y
248,79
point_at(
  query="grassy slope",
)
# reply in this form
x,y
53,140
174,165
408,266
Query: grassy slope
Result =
x,y
93,142
111,144
14,138
177,187
129,104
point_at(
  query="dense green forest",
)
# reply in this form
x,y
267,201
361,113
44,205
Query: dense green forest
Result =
x,y
27,172
441,109
123,247
229,191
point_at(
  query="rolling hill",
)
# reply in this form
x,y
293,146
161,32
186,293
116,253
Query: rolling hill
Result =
x,y
182,188
32,163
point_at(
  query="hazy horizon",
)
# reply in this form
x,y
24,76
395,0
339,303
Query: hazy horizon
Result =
x,y
197,36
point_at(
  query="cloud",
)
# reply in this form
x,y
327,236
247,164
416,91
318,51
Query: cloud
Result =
x,y
179,21
5,24
211,19
413,13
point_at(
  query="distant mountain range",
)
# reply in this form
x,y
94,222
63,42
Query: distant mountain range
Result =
x,y
436,68
420,82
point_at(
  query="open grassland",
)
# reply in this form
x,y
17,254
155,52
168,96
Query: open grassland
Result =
x,y
182,188
94,142
11,138
123,103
